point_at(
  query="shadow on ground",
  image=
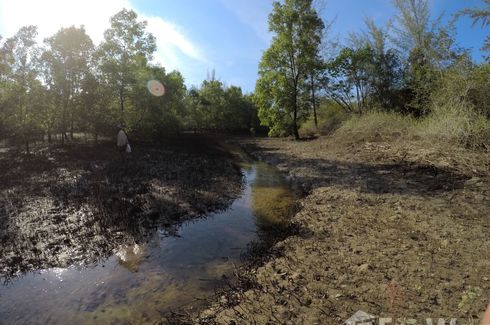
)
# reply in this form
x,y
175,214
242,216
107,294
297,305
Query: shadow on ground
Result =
x,y
403,178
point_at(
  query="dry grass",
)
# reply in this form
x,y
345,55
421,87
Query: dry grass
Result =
x,y
458,125
373,125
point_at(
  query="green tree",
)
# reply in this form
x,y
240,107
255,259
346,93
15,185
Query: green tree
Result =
x,y
3,75
478,14
428,47
21,54
126,49
67,59
349,76
481,15
159,116
386,72
412,25
193,114
239,111
96,98
212,103
282,90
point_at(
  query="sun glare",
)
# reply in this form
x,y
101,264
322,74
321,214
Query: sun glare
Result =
x,y
173,47
51,15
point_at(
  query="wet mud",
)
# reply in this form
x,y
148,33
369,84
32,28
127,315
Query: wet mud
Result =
x,y
78,203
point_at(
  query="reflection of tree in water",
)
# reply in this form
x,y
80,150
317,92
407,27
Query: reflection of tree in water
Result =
x,y
76,205
272,199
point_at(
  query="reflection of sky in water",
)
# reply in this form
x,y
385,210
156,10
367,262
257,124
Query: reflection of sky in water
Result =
x,y
139,280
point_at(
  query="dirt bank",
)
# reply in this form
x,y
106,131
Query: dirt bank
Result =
x,y
76,204
394,229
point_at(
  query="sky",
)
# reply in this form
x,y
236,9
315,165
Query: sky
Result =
x,y
228,36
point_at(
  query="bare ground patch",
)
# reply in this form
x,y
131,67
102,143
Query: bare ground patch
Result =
x,y
396,230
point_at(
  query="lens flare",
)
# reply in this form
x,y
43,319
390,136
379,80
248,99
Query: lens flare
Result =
x,y
155,88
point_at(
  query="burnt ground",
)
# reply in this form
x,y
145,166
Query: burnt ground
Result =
x,y
77,203
396,229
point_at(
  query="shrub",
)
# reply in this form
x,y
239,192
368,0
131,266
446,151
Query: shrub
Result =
x,y
459,108
376,124
330,116
457,123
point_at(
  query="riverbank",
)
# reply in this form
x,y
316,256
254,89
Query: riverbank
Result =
x,y
395,229
77,204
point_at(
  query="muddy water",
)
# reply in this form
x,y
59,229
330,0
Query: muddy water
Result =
x,y
142,281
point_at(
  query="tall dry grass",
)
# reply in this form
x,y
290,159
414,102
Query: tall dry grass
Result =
x,y
457,116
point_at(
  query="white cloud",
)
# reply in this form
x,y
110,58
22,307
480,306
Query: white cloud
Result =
x,y
171,44
173,47
253,13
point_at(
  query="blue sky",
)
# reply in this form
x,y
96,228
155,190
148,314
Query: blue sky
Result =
x,y
197,36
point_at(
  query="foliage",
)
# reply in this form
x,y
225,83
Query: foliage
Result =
x,y
376,125
349,75
459,109
69,86
412,25
21,53
66,66
216,107
428,45
330,118
480,15
126,49
282,91
412,66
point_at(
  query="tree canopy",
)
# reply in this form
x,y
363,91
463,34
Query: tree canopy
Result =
x,y
282,91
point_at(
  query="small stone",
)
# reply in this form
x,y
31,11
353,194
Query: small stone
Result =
x,y
363,268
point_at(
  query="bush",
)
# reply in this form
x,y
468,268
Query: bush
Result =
x,y
459,108
330,116
156,128
457,123
451,123
479,94
376,124
459,111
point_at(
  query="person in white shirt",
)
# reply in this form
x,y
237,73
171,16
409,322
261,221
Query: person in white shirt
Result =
x,y
122,140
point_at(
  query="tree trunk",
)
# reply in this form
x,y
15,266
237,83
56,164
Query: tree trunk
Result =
x,y
71,127
63,123
49,137
314,114
295,124
121,101
313,99
27,146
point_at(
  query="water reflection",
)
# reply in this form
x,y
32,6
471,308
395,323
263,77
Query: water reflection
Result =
x,y
130,257
141,281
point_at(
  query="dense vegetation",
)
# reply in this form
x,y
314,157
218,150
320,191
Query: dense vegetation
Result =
x,y
410,70
68,85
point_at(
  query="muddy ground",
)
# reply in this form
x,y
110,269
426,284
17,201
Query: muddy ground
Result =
x,y
393,228
78,203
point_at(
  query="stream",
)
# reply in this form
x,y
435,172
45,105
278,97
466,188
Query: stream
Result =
x,y
142,281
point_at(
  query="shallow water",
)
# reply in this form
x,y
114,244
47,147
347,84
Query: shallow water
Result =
x,y
141,282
